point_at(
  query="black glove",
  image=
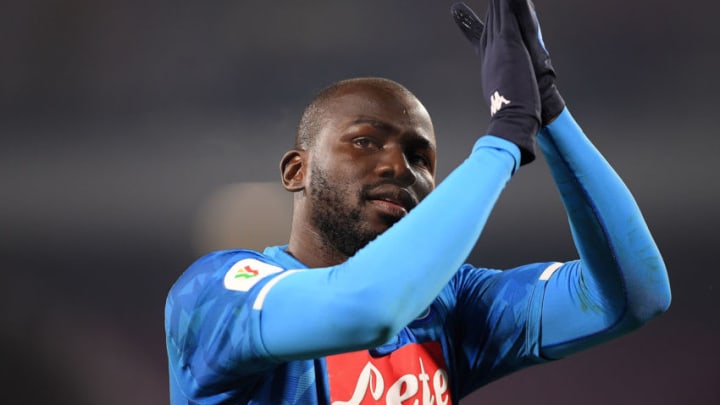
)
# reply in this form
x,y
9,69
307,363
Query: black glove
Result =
x,y
507,75
552,102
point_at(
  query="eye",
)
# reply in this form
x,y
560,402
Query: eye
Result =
x,y
418,159
366,143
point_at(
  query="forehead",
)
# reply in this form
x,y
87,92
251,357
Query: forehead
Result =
x,y
390,106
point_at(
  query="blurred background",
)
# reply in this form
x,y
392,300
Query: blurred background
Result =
x,y
136,136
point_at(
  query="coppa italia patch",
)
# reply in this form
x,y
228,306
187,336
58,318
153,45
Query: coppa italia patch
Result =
x,y
415,373
246,273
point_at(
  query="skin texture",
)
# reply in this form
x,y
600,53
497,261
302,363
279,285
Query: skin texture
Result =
x,y
371,160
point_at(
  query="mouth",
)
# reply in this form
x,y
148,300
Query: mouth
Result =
x,y
389,208
394,203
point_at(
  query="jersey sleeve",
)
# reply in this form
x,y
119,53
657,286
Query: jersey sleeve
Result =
x,y
620,281
212,333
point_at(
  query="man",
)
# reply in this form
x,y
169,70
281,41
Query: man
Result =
x,y
371,301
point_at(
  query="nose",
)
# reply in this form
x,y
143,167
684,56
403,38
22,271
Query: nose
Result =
x,y
394,164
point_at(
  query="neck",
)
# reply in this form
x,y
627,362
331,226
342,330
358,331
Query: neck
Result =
x,y
310,248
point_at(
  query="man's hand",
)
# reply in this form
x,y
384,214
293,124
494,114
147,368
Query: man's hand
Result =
x,y
552,102
507,75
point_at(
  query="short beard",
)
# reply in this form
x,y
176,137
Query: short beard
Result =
x,y
341,226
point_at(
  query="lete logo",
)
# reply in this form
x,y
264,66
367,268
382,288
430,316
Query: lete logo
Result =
x,y
414,373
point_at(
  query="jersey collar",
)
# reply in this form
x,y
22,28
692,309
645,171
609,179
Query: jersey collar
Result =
x,y
280,255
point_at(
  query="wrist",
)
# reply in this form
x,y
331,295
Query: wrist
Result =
x,y
518,129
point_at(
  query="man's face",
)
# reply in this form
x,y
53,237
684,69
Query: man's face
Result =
x,y
372,162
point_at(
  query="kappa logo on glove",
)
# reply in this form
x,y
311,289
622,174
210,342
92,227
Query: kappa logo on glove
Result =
x,y
414,374
497,101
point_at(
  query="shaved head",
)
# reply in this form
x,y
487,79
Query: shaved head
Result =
x,y
316,111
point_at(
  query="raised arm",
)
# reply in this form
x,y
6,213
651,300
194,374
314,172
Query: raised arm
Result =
x,y
620,281
368,299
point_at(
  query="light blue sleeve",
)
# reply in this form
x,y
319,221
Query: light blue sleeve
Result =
x,y
620,281
372,296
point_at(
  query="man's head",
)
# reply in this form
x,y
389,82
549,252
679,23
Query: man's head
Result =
x,y
364,156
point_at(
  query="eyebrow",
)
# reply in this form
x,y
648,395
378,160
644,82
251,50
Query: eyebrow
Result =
x,y
375,123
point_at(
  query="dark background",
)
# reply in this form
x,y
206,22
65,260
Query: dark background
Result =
x,y
128,128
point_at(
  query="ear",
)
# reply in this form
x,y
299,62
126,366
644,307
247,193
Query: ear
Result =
x,y
292,170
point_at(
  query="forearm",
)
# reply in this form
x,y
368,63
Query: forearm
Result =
x,y
369,298
621,281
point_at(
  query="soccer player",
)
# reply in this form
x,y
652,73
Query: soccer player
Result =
x,y
371,300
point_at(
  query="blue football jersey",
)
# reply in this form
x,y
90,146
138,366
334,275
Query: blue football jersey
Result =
x,y
483,325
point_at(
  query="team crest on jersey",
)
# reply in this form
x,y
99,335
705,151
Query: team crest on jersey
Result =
x,y
246,273
414,374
